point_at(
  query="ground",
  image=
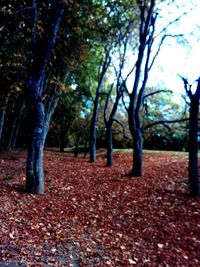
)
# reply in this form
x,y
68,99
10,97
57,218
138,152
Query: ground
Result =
x,y
92,215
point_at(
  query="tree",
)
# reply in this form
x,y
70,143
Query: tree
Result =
x,y
145,59
112,18
142,67
41,53
112,101
93,125
194,185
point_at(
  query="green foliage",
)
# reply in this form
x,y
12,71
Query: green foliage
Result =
x,y
164,107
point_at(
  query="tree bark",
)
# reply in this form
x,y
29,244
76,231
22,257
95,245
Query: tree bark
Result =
x,y
35,173
15,125
194,187
109,144
137,153
76,150
42,50
2,117
93,124
93,129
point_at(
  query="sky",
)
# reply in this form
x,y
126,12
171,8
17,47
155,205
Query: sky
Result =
x,y
179,58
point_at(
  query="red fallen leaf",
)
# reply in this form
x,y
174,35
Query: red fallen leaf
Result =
x,y
98,215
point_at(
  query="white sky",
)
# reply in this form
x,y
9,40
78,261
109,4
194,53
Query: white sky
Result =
x,y
176,58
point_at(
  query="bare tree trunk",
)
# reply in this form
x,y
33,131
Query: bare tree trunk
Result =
x,y
137,153
109,144
93,125
35,173
15,125
93,128
76,150
194,186
42,51
2,116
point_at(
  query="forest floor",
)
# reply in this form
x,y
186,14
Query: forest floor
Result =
x,y
92,215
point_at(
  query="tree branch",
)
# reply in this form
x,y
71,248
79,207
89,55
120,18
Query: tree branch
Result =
x,y
122,125
157,92
163,122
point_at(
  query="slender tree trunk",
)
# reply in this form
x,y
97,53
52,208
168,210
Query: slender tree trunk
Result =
x,y
93,124
137,153
109,144
76,150
15,125
63,131
35,172
2,116
93,129
194,187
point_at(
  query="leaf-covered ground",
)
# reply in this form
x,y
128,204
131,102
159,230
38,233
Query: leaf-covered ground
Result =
x,y
92,215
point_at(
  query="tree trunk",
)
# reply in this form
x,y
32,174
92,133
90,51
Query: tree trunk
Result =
x,y
2,116
15,125
35,172
137,153
63,132
93,125
93,128
194,187
76,150
109,144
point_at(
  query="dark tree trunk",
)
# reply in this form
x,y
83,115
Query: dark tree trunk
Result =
x,y
2,116
93,133
137,153
143,64
93,124
76,150
109,144
42,50
35,173
63,132
15,125
194,186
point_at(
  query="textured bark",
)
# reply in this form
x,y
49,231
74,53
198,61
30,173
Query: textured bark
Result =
x,y
35,173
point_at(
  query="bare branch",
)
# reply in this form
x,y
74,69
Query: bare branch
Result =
x,y
197,93
172,22
160,45
123,127
157,92
164,122
187,86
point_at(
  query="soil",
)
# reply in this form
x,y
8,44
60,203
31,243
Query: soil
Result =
x,y
93,215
